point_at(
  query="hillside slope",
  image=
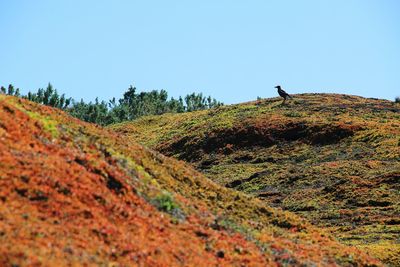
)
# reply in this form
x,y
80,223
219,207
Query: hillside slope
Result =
x,y
333,159
72,193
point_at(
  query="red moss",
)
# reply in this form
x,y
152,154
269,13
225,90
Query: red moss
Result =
x,y
56,209
64,200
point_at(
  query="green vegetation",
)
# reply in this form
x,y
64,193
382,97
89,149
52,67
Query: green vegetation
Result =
x,y
131,106
47,123
49,97
165,202
332,159
10,90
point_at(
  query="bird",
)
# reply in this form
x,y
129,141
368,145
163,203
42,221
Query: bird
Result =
x,y
282,93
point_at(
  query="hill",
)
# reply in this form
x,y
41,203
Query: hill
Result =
x,y
332,159
72,193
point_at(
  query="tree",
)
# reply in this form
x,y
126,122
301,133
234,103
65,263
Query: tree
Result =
x,y
10,90
199,102
49,97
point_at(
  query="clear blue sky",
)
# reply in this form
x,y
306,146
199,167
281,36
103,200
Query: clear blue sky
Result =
x,y
232,50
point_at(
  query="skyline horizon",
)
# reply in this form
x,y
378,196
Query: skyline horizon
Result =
x,y
25,92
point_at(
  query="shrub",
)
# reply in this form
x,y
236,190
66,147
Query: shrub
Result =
x,y
165,202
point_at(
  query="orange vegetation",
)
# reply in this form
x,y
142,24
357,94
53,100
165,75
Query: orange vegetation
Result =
x,y
332,159
73,193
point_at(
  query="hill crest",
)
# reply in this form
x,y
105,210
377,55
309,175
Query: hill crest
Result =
x,y
331,158
75,193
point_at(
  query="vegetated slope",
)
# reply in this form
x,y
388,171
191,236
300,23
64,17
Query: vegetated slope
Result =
x,y
333,159
72,193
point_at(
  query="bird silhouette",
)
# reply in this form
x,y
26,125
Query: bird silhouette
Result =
x,y
282,93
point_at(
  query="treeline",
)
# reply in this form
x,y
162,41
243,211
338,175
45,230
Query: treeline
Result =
x,y
131,106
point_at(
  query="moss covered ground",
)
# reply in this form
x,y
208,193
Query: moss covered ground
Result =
x,y
75,194
332,159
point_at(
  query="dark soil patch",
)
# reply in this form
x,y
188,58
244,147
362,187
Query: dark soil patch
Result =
x,y
239,182
257,134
